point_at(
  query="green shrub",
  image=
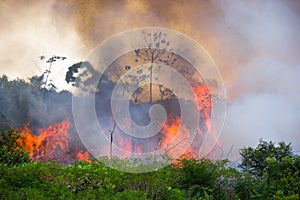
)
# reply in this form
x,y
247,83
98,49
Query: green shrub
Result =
x,y
12,151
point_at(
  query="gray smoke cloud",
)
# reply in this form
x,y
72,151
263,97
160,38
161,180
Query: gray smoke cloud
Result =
x,y
264,93
255,44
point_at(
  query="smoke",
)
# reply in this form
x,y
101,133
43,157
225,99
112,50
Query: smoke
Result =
x,y
30,29
254,43
264,89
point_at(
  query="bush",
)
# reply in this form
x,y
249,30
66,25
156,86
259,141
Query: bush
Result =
x,y
187,179
12,151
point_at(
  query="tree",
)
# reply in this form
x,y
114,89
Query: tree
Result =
x,y
254,160
203,179
157,52
80,75
47,72
272,172
283,177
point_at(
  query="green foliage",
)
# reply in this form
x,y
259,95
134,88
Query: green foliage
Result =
x,y
204,179
271,172
254,160
283,177
34,180
12,151
187,179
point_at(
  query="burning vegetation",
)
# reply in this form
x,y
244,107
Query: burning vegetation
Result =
x,y
59,140
52,143
45,119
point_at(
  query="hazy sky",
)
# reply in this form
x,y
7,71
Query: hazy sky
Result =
x,y
255,44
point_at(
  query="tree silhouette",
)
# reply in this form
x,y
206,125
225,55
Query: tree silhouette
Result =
x,y
45,77
157,52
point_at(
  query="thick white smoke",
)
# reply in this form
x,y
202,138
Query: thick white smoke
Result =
x,y
265,93
30,29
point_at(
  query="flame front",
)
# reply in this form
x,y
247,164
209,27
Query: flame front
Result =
x,y
52,143
170,130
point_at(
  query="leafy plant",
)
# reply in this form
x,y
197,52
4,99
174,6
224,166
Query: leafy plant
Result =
x,y
254,160
187,179
12,151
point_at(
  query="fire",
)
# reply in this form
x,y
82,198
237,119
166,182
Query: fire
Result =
x,y
83,155
31,142
174,129
52,143
170,130
204,100
205,103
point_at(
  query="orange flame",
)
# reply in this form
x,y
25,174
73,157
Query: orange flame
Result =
x,y
170,130
205,102
174,129
51,143
83,155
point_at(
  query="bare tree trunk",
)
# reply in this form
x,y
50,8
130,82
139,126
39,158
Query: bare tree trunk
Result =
x,y
160,91
110,149
151,71
48,73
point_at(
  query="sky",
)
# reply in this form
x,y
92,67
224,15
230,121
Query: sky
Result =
x,y
255,45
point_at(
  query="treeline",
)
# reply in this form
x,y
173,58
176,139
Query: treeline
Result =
x,y
269,171
30,102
